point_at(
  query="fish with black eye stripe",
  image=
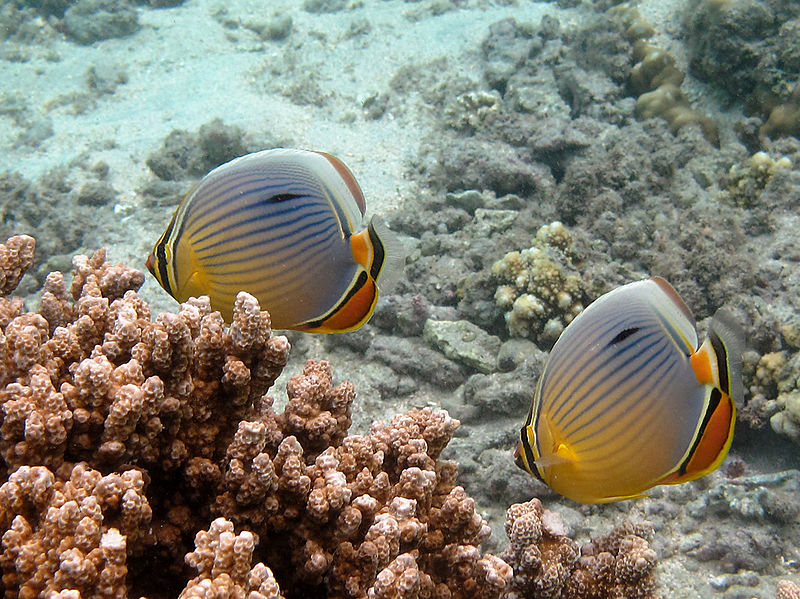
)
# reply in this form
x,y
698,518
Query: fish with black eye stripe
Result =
x,y
285,225
629,398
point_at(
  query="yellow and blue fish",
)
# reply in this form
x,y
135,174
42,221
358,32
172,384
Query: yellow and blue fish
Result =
x,y
285,225
629,399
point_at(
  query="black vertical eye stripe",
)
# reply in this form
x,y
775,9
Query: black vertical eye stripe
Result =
x,y
378,251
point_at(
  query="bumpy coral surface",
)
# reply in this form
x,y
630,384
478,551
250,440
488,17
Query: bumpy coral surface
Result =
x,y
539,287
548,564
222,559
123,436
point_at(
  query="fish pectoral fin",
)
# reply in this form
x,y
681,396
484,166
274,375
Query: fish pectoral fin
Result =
x,y
562,455
195,286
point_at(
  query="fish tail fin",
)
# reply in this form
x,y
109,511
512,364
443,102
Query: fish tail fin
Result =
x,y
718,366
727,334
389,254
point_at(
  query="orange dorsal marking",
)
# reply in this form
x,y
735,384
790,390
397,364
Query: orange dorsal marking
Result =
x,y
361,246
702,365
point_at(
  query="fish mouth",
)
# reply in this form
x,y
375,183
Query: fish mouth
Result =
x,y
150,264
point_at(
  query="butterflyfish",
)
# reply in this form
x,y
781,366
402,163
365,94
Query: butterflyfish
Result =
x,y
285,225
629,399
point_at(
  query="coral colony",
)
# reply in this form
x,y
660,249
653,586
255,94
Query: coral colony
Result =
x,y
125,438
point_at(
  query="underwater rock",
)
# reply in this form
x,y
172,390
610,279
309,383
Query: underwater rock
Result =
x,y
505,393
89,21
478,163
323,6
165,3
95,193
468,200
184,154
463,342
508,45
514,352
276,29
410,357
737,45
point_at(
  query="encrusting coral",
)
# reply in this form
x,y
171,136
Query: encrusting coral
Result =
x,y
656,81
125,438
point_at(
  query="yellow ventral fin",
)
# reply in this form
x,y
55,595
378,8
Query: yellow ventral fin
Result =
x,y
566,453
562,455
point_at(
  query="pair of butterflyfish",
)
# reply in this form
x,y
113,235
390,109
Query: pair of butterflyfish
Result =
x,y
629,398
284,225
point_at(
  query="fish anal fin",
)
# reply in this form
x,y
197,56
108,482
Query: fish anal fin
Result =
x,y
351,312
715,441
622,498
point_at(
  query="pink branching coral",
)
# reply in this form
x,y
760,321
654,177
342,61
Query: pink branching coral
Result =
x,y
125,438
223,562
548,564
353,509
70,532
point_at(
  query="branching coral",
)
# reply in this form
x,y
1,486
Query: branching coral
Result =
x,y
539,286
222,560
548,564
124,437
71,531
